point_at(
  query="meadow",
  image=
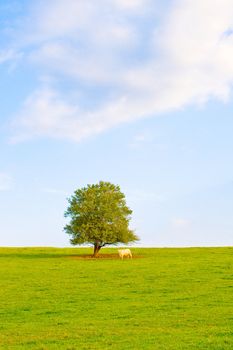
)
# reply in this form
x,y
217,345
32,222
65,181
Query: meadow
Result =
x,y
161,299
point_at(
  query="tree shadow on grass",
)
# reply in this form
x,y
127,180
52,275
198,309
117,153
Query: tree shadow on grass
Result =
x,y
37,253
101,256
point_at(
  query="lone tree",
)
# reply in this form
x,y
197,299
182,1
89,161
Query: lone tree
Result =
x,y
99,215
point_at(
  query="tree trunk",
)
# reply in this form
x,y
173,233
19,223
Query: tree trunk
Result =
x,y
96,250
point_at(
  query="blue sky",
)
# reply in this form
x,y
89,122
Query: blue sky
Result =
x,y
135,92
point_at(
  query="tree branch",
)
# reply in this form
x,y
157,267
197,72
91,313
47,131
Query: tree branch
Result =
x,y
107,243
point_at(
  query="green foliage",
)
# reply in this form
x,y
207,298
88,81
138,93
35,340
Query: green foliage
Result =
x,y
99,215
166,299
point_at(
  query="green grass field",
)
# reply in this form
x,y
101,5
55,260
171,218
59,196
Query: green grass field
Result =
x,y
161,299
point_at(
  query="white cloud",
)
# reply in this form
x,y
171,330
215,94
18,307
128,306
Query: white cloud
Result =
x,y
131,4
5,182
9,55
44,113
185,58
80,21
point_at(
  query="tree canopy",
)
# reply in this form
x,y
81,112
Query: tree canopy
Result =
x,y
99,215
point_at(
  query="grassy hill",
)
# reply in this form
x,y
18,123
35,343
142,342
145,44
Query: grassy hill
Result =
x,y
161,299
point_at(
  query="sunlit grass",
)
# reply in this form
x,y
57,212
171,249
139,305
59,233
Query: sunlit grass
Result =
x,y
163,299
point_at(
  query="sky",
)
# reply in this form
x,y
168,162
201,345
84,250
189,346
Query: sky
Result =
x,y
135,92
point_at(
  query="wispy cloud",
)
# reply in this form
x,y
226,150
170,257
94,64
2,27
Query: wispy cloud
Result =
x,y
9,55
45,113
139,64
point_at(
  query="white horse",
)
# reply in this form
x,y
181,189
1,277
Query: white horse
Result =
x,y
125,253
